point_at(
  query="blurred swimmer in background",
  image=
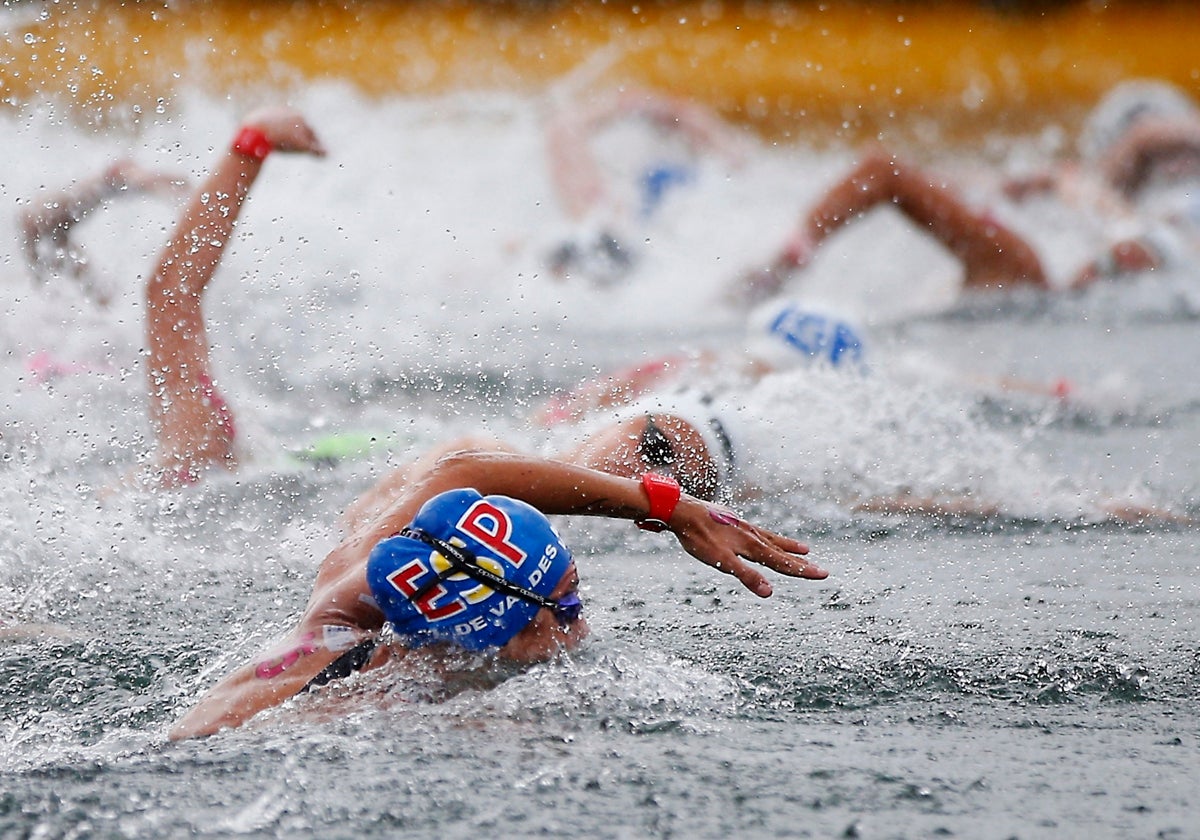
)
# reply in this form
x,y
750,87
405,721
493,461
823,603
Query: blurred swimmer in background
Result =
x,y
193,425
802,408
1144,135
684,414
435,566
1140,138
780,335
1139,159
608,203
47,225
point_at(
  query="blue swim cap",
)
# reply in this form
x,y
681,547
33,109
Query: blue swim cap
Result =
x,y
506,536
786,332
656,180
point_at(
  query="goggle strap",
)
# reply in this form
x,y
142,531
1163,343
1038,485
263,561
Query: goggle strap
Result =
x,y
462,560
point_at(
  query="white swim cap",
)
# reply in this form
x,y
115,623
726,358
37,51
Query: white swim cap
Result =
x,y
1125,106
788,332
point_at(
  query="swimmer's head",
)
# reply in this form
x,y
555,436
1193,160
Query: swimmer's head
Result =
x,y
470,570
785,333
1127,105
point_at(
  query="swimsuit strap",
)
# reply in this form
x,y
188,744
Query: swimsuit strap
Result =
x,y
718,429
354,659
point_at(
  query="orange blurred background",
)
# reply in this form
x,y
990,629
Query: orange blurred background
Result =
x,y
791,69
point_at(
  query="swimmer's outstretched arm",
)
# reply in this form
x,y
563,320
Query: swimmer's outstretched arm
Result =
x,y
54,215
702,128
279,673
340,614
708,532
192,426
47,225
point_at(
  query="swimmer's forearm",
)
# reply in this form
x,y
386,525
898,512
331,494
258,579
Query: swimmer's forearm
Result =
x,y
192,254
711,534
553,487
272,679
230,704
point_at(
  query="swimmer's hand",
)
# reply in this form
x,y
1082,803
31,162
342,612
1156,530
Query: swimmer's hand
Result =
x,y
286,130
719,538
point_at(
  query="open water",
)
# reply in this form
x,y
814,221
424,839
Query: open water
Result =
x,y
1032,673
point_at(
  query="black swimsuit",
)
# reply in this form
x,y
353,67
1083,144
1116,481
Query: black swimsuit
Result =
x,y
354,659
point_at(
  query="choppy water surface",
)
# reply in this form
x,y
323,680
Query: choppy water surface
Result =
x,y
1032,673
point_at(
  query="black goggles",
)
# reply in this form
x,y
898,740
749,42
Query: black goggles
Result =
x,y
566,609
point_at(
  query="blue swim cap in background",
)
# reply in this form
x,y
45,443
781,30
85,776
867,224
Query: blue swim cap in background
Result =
x,y
656,180
785,333
507,537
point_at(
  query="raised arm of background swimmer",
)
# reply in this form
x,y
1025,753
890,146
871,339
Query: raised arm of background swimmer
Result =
x,y
703,128
338,616
200,236
193,427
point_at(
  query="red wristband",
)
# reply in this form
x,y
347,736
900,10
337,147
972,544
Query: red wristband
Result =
x,y
663,492
251,142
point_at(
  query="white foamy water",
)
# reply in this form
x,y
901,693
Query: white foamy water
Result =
x,y
398,287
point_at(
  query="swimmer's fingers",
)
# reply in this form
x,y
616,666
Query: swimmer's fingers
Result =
x,y
286,130
783,554
724,558
750,577
781,542
783,551
732,545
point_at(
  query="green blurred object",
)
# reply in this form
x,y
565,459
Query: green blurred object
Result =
x,y
343,446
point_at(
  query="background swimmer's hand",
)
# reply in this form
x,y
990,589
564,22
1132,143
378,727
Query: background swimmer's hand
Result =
x,y
286,130
726,542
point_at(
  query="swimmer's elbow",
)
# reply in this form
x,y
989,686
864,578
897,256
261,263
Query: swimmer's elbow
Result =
x,y
464,465
472,466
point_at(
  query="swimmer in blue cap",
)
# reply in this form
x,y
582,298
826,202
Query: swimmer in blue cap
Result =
x,y
460,554
470,570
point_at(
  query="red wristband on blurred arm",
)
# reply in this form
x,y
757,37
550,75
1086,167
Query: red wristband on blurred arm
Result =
x,y
663,492
251,142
